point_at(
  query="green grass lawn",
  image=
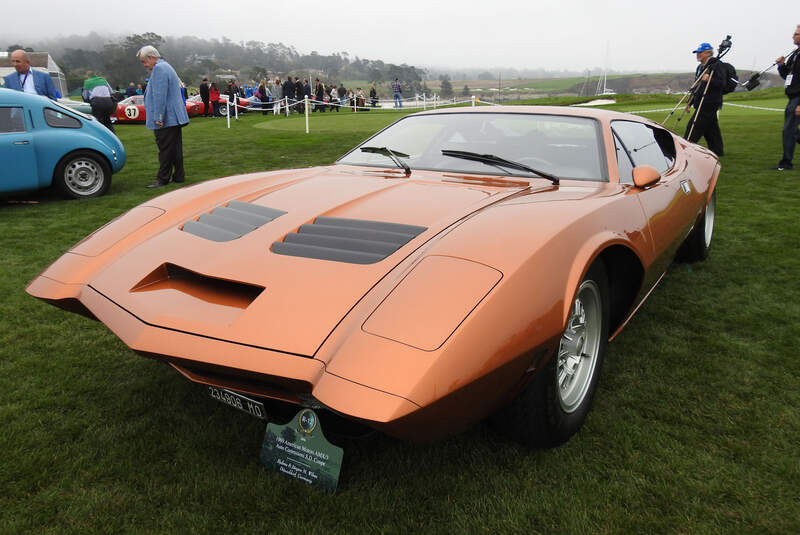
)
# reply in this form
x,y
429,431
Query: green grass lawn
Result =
x,y
695,427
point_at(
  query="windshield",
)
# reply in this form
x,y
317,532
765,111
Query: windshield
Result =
x,y
564,146
71,110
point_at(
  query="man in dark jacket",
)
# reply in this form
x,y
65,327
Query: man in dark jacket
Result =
x,y
711,78
789,69
298,94
288,91
205,97
233,97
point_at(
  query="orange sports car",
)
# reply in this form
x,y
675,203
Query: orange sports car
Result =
x,y
458,263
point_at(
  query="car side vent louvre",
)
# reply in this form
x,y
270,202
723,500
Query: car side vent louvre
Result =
x,y
226,223
355,241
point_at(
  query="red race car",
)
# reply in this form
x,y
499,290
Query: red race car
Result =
x,y
244,105
131,110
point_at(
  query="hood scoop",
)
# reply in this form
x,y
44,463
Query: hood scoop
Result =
x,y
226,223
354,241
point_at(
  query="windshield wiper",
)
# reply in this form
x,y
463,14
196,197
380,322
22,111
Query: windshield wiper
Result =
x,y
393,155
491,159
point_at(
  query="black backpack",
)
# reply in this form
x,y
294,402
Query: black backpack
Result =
x,y
731,79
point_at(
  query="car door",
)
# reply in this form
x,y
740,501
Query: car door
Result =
x,y
670,203
18,170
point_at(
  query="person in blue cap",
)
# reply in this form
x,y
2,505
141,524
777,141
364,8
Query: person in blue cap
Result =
x,y
711,79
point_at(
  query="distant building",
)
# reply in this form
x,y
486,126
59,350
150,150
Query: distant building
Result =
x,y
41,61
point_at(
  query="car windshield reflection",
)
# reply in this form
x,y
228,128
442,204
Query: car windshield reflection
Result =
x,y
563,146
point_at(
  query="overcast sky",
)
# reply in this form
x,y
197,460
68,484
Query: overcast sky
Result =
x,y
552,34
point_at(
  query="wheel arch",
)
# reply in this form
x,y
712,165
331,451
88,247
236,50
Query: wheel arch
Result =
x,y
81,149
625,273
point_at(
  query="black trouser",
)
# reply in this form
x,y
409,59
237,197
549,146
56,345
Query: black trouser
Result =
x,y
790,134
215,106
206,106
706,125
170,154
102,108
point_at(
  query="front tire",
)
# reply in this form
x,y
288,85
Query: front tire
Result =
x,y
82,174
554,405
697,244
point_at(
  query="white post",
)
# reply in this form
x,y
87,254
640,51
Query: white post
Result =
x,y
286,105
236,106
424,101
473,101
228,110
306,101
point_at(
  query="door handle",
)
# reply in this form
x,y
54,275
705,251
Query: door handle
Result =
x,y
21,142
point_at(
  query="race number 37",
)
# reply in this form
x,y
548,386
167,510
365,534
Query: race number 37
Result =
x,y
131,112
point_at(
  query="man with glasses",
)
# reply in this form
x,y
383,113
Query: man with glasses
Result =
x,y
789,69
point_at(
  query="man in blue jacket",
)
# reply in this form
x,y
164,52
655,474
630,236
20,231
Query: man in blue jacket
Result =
x,y
27,79
165,115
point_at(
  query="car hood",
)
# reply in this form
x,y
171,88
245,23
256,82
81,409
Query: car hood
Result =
x,y
254,289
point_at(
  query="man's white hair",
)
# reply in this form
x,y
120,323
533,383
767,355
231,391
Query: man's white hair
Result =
x,y
148,51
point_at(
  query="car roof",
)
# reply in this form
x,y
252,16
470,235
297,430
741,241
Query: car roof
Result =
x,y
604,115
20,98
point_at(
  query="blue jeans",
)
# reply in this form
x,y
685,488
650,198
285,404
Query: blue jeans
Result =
x,y
790,124
398,100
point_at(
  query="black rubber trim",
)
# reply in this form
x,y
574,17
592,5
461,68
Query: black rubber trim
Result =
x,y
226,223
355,241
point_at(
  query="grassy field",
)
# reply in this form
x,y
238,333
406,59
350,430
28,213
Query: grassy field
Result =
x,y
694,429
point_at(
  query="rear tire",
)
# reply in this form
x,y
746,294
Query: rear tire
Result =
x,y
82,174
554,405
697,244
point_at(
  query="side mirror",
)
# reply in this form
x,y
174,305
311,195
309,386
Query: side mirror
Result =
x,y
645,176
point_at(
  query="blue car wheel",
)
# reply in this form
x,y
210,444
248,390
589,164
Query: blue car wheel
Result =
x,y
83,174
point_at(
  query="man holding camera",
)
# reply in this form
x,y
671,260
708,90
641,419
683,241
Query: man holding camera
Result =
x,y
710,80
789,69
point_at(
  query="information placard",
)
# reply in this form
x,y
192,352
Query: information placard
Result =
x,y
300,451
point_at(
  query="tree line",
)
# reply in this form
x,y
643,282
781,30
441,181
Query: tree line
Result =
x,y
193,58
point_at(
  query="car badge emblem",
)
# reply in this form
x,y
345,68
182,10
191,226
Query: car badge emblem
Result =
x,y
306,421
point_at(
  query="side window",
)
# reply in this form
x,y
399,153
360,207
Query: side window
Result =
x,y
646,145
56,119
623,163
12,120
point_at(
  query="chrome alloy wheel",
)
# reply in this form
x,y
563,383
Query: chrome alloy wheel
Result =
x,y
84,176
709,221
579,348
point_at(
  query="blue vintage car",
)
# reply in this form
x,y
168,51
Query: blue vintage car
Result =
x,y
43,143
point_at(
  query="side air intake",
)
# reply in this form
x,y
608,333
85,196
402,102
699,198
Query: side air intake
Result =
x,y
226,223
355,241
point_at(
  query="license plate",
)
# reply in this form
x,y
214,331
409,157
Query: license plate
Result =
x,y
238,401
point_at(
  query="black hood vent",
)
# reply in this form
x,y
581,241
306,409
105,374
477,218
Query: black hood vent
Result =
x,y
355,241
226,223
